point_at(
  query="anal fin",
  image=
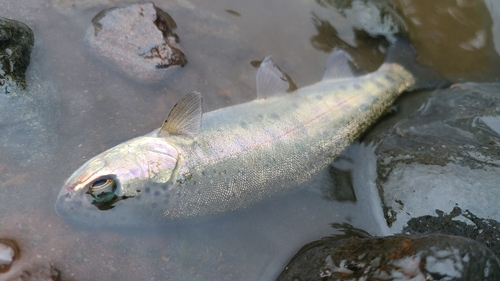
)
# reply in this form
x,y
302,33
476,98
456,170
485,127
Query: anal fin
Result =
x,y
340,65
271,80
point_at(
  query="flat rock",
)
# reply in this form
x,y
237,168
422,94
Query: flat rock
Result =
x,y
138,40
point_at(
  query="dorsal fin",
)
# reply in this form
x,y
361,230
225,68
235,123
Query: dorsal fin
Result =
x,y
184,118
271,80
340,65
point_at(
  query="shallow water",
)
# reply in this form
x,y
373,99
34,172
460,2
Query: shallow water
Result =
x,y
100,108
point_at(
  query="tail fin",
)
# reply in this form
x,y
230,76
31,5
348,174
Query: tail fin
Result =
x,y
402,53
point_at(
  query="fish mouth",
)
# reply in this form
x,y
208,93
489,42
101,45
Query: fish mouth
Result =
x,y
66,203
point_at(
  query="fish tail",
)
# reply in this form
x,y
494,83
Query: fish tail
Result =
x,y
401,52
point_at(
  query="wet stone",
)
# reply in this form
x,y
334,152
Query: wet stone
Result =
x,y
138,40
29,105
9,252
433,257
16,41
442,156
458,222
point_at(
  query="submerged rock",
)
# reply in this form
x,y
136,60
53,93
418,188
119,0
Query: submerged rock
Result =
x,y
39,272
373,17
29,107
16,41
443,156
139,40
433,257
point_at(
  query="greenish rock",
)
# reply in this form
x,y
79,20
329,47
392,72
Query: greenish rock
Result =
x,y
29,104
16,41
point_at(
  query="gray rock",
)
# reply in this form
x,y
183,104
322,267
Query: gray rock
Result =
x,y
138,40
443,156
484,231
16,40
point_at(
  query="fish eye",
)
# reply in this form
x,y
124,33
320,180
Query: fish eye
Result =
x,y
102,190
102,184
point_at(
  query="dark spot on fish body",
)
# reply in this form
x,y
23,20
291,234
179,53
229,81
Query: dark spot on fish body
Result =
x,y
147,189
363,107
157,193
122,218
357,86
164,187
154,205
203,173
319,97
378,84
400,75
295,105
342,87
260,116
374,100
275,116
389,78
138,197
244,125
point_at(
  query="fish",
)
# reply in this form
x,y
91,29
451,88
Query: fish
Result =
x,y
202,165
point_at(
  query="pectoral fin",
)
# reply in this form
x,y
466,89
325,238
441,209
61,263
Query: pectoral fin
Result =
x,y
271,80
184,118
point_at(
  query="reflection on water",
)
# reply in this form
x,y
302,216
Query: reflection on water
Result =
x,y
454,36
101,108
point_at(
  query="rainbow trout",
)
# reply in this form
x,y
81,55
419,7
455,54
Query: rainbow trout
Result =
x,y
239,155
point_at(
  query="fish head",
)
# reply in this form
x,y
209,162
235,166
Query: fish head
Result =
x,y
107,189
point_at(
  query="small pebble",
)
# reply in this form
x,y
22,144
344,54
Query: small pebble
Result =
x,y
9,252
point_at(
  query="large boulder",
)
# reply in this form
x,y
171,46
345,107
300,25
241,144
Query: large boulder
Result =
x,y
433,257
